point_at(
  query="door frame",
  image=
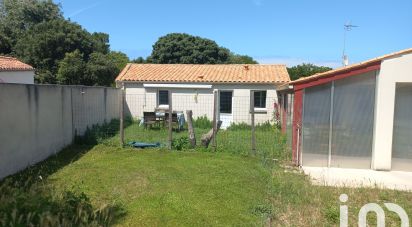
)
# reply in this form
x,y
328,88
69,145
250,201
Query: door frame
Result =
x,y
231,108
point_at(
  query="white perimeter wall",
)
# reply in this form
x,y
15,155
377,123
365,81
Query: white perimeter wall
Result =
x,y
200,101
393,70
37,121
17,77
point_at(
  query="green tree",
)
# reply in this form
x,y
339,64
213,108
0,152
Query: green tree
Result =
x,y
187,49
101,70
47,43
306,69
100,42
119,58
139,60
241,59
36,32
18,16
71,69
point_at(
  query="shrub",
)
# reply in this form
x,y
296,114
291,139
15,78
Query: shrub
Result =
x,y
266,126
239,126
181,143
202,122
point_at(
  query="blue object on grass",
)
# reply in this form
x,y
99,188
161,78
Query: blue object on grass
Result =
x,y
144,145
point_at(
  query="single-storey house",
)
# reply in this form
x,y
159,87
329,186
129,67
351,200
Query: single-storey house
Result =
x,y
15,71
358,116
147,87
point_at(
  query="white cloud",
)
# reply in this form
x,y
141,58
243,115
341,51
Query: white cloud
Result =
x,y
289,61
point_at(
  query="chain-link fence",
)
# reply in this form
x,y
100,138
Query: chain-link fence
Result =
x,y
243,129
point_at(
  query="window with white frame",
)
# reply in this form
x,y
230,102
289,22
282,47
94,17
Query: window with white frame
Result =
x,y
163,98
260,99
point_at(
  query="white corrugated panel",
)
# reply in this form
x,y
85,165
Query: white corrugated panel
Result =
x,y
402,129
352,121
315,128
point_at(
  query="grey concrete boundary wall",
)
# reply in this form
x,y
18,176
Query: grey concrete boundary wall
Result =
x,y
37,121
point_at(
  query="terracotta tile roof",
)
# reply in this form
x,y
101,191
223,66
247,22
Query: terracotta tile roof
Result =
x,y
12,64
190,73
351,67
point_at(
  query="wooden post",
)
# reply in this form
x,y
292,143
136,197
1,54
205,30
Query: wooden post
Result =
x,y
206,138
170,120
215,114
122,97
192,136
252,112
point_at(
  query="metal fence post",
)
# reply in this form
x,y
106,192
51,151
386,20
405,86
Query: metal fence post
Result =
x,y
252,112
170,120
122,97
214,119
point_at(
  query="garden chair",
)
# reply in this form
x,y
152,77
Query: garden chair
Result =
x,y
149,118
174,120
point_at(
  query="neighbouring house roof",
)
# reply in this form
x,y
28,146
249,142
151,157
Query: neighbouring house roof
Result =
x,y
13,64
352,67
191,73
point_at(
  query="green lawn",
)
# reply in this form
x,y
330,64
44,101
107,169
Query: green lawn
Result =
x,y
171,188
108,185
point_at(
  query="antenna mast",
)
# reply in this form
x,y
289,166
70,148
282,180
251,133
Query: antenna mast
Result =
x,y
346,28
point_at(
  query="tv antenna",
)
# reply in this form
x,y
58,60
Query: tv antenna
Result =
x,y
346,27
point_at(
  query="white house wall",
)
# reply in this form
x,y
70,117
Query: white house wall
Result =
x,y
200,101
241,102
395,70
17,77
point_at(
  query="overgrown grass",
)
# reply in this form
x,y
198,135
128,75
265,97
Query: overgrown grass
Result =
x,y
28,198
299,203
157,187
261,126
202,122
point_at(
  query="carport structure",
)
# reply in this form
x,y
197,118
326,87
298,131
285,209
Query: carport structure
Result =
x,y
358,116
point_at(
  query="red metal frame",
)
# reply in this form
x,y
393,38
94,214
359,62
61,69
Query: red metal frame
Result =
x,y
296,123
337,76
298,101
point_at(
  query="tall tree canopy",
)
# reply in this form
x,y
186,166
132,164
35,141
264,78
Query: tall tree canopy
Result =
x,y
181,48
17,16
72,69
101,70
306,69
61,51
240,59
44,45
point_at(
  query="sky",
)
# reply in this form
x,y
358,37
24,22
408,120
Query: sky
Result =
x,y
271,31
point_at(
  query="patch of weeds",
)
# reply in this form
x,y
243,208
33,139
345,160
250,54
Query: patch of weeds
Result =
x,y
181,143
265,126
238,126
262,210
332,214
39,205
202,122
